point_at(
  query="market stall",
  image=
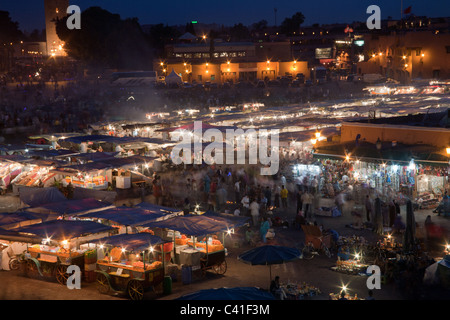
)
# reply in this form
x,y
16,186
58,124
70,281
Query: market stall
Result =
x,y
12,246
36,173
9,169
125,217
128,265
92,175
193,247
60,247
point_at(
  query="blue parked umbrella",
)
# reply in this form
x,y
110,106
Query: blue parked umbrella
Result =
x,y
238,293
269,254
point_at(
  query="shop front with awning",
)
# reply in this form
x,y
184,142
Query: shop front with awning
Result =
x,y
419,171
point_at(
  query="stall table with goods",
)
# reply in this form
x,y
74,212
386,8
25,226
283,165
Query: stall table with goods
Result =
x,y
337,296
50,259
8,171
129,265
207,253
193,247
35,176
92,175
301,291
350,266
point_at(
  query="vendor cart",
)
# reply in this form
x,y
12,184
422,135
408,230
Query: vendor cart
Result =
x,y
132,280
51,259
43,261
128,268
215,261
314,235
212,255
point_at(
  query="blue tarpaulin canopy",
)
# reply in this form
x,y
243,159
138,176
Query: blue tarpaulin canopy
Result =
x,y
71,207
125,216
239,293
192,225
232,220
10,235
64,229
95,156
13,158
86,167
136,242
101,195
37,196
7,219
105,164
112,139
128,161
52,153
159,209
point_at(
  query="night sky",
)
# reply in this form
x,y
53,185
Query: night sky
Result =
x,y
30,13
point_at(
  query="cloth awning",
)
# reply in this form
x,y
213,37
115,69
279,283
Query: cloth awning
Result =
x,y
128,161
165,211
64,229
136,242
70,207
9,220
192,225
231,220
126,216
95,156
52,153
112,139
10,235
34,197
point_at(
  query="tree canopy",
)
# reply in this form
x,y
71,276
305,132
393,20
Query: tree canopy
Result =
x,y
106,40
9,30
292,24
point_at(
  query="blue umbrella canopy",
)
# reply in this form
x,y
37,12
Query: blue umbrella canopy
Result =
x,y
238,293
270,254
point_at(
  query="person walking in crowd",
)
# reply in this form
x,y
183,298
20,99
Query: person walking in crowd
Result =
x,y
245,201
237,191
265,226
268,195
299,201
307,199
254,211
368,206
284,197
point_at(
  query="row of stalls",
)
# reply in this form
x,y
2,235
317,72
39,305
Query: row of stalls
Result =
x,y
123,249
99,170
423,180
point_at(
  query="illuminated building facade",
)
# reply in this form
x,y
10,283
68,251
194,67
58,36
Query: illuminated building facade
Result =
x,y
54,9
